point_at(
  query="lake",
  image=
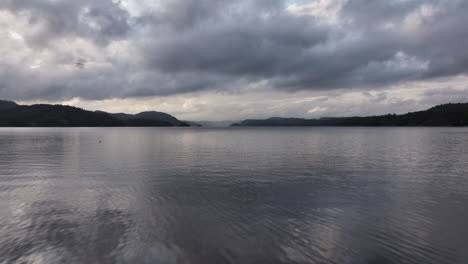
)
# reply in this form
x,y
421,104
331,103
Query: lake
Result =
x,y
234,195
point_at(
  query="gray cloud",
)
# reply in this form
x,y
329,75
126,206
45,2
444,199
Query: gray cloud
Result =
x,y
371,14
101,21
182,46
377,43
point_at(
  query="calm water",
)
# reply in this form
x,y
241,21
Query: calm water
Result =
x,y
243,195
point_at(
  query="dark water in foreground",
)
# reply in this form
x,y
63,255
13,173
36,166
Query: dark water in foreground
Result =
x,y
244,195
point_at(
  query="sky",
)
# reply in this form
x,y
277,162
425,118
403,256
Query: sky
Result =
x,y
232,60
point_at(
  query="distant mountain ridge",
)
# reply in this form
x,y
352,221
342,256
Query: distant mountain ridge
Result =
x,y
43,115
442,115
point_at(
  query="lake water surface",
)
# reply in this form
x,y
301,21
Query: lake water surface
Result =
x,y
239,195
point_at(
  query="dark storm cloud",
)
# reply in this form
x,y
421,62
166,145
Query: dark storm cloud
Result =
x,y
373,45
254,39
440,38
182,46
261,50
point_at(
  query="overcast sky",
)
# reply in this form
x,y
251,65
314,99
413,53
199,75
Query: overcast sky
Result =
x,y
231,60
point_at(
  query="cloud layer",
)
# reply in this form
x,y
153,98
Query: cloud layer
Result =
x,y
96,50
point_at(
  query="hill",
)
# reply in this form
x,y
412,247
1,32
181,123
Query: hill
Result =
x,y
151,115
7,105
442,115
54,116
43,115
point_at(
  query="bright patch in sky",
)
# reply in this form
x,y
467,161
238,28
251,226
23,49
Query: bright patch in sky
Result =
x,y
15,35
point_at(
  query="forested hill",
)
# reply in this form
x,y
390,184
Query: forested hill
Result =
x,y
14,115
151,115
442,115
43,115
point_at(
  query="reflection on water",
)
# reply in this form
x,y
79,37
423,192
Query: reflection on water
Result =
x,y
244,195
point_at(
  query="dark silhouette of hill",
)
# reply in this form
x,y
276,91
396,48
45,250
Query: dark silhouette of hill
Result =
x,y
7,105
442,115
43,115
152,115
55,116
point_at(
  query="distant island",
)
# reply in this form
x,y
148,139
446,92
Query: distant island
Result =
x,y
442,115
43,115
